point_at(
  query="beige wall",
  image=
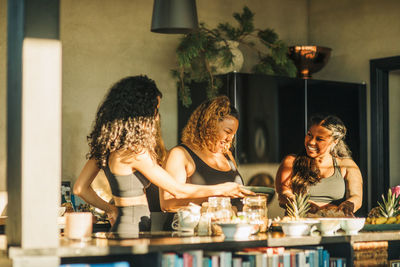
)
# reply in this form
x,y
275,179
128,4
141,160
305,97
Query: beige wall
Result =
x,y
357,31
104,41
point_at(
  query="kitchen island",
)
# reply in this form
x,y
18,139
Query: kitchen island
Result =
x,y
149,248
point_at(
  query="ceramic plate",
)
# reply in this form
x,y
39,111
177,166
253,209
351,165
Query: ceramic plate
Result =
x,y
381,227
261,189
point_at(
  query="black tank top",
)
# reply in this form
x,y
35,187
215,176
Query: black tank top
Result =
x,y
206,175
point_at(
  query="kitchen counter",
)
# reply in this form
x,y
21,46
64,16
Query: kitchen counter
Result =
x,y
167,241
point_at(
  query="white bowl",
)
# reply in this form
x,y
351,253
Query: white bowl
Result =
x,y
298,228
328,226
237,230
352,225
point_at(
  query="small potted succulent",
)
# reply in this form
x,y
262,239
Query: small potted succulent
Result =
x,y
200,53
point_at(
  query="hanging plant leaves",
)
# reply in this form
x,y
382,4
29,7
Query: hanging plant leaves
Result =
x,y
268,36
198,52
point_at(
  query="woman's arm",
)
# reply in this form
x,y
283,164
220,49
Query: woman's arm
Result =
x,y
354,189
83,189
181,190
282,181
177,165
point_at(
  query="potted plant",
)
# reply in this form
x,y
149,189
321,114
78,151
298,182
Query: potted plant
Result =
x,y
201,52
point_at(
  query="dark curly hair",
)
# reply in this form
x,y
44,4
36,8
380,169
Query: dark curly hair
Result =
x,y
127,120
200,130
305,171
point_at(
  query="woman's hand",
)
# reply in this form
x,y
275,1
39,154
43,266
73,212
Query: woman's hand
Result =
x,y
314,208
347,207
285,199
235,190
83,189
112,214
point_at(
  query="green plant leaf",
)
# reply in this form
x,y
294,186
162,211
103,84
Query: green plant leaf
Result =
x,y
245,20
269,36
198,50
231,32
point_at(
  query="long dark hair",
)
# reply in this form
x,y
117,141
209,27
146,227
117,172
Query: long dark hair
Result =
x,y
127,119
305,172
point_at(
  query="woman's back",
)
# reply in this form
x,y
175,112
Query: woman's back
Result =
x,y
130,199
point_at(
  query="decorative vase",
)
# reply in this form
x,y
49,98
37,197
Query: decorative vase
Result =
x,y
309,59
237,59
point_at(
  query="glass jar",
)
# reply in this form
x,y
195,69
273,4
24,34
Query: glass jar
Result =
x,y
255,209
204,226
220,209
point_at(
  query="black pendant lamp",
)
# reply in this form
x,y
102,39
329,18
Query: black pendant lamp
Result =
x,y
174,16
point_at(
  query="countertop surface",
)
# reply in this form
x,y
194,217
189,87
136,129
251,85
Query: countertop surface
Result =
x,y
102,245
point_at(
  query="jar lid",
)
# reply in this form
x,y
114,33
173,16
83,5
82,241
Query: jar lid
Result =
x,y
216,201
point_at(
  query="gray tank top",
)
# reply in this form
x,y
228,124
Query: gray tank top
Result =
x,y
330,189
130,185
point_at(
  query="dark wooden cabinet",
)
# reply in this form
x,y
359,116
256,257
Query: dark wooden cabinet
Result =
x,y
274,112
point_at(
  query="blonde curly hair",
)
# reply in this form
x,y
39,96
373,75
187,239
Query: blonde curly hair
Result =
x,y
127,120
201,128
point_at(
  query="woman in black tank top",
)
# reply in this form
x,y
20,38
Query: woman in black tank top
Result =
x,y
324,170
204,157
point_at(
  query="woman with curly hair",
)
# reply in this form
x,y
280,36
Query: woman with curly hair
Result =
x,y
126,144
204,156
324,169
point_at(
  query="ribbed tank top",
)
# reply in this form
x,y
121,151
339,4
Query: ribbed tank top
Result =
x,y
330,189
130,185
206,175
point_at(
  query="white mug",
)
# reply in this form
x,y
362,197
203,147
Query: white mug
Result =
x,y
78,225
186,219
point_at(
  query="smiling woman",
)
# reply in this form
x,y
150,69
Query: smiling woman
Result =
x,y
324,169
205,156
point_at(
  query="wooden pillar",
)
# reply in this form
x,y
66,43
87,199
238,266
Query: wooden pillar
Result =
x,y
33,125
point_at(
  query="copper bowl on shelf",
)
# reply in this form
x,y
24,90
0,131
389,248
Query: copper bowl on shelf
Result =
x,y
309,59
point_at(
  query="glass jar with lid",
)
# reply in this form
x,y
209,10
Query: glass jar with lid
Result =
x,y
220,209
255,209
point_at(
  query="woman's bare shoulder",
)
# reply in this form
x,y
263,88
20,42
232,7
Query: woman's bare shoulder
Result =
x,y
122,162
178,153
178,150
288,160
285,168
346,162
